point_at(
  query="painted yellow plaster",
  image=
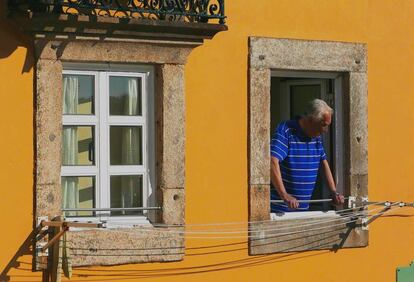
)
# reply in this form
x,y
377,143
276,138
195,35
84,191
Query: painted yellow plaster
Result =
x,y
216,149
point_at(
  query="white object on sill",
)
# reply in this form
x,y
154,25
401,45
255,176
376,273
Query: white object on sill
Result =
x,y
304,215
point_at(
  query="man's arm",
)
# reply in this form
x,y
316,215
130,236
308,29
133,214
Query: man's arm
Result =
x,y
276,178
337,198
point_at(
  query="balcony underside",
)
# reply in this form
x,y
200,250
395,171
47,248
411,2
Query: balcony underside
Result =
x,y
71,26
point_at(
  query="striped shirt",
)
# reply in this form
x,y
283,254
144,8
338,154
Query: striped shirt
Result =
x,y
299,160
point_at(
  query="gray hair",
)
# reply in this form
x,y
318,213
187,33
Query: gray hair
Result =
x,y
316,108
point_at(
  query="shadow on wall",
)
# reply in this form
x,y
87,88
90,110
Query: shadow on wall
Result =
x,y
217,264
25,249
95,274
11,37
92,274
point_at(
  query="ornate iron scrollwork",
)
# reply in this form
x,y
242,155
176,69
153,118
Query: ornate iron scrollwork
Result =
x,y
171,10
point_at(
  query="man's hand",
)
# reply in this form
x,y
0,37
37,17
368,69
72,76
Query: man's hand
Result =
x,y
337,198
292,202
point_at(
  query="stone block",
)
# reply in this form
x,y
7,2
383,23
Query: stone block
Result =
x,y
296,235
259,202
358,123
171,126
115,52
259,150
121,246
48,137
309,55
359,185
357,238
173,206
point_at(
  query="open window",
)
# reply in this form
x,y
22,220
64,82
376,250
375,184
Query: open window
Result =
x,y
283,75
290,91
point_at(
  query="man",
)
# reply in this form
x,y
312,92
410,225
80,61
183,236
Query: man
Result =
x,y
296,155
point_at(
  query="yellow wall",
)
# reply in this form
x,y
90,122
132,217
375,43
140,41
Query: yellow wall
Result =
x,y
216,149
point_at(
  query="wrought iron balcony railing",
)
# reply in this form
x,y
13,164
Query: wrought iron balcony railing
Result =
x,y
202,11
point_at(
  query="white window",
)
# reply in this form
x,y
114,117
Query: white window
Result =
x,y
108,145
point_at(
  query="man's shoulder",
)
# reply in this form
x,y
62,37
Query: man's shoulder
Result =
x,y
287,126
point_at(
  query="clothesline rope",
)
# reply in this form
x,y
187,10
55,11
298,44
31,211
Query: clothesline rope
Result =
x,y
245,223
361,212
343,221
250,222
393,207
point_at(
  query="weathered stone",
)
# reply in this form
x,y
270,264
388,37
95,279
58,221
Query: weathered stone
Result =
x,y
173,206
357,238
259,207
303,235
259,126
310,55
358,123
171,126
359,185
129,245
116,52
48,150
44,193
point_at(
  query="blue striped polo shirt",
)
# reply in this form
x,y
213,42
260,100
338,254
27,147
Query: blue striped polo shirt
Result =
x,y
299,160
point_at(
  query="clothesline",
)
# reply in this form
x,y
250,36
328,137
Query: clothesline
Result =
x,y
364,205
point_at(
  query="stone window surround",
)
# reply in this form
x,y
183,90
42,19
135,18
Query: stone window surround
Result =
x,y
169,60
350,59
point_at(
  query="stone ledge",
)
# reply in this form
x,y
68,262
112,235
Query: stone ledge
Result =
x,y
121,246
332,235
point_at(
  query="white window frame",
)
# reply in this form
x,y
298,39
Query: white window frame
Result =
x,y
101,121
338,141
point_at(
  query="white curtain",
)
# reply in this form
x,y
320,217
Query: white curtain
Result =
x,y
130,145
70,143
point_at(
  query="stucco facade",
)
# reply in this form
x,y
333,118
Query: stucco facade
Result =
x,y
217,159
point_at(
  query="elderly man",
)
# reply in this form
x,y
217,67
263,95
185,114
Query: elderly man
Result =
x,y
296,156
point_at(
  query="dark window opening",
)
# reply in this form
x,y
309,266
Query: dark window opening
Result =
x,y
289,97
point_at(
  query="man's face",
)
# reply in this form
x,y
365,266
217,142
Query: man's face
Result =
x,y
321,126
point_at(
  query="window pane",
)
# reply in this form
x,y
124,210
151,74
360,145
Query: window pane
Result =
x,y
126,192
78,94
125,96
126,145
78,192
78,145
